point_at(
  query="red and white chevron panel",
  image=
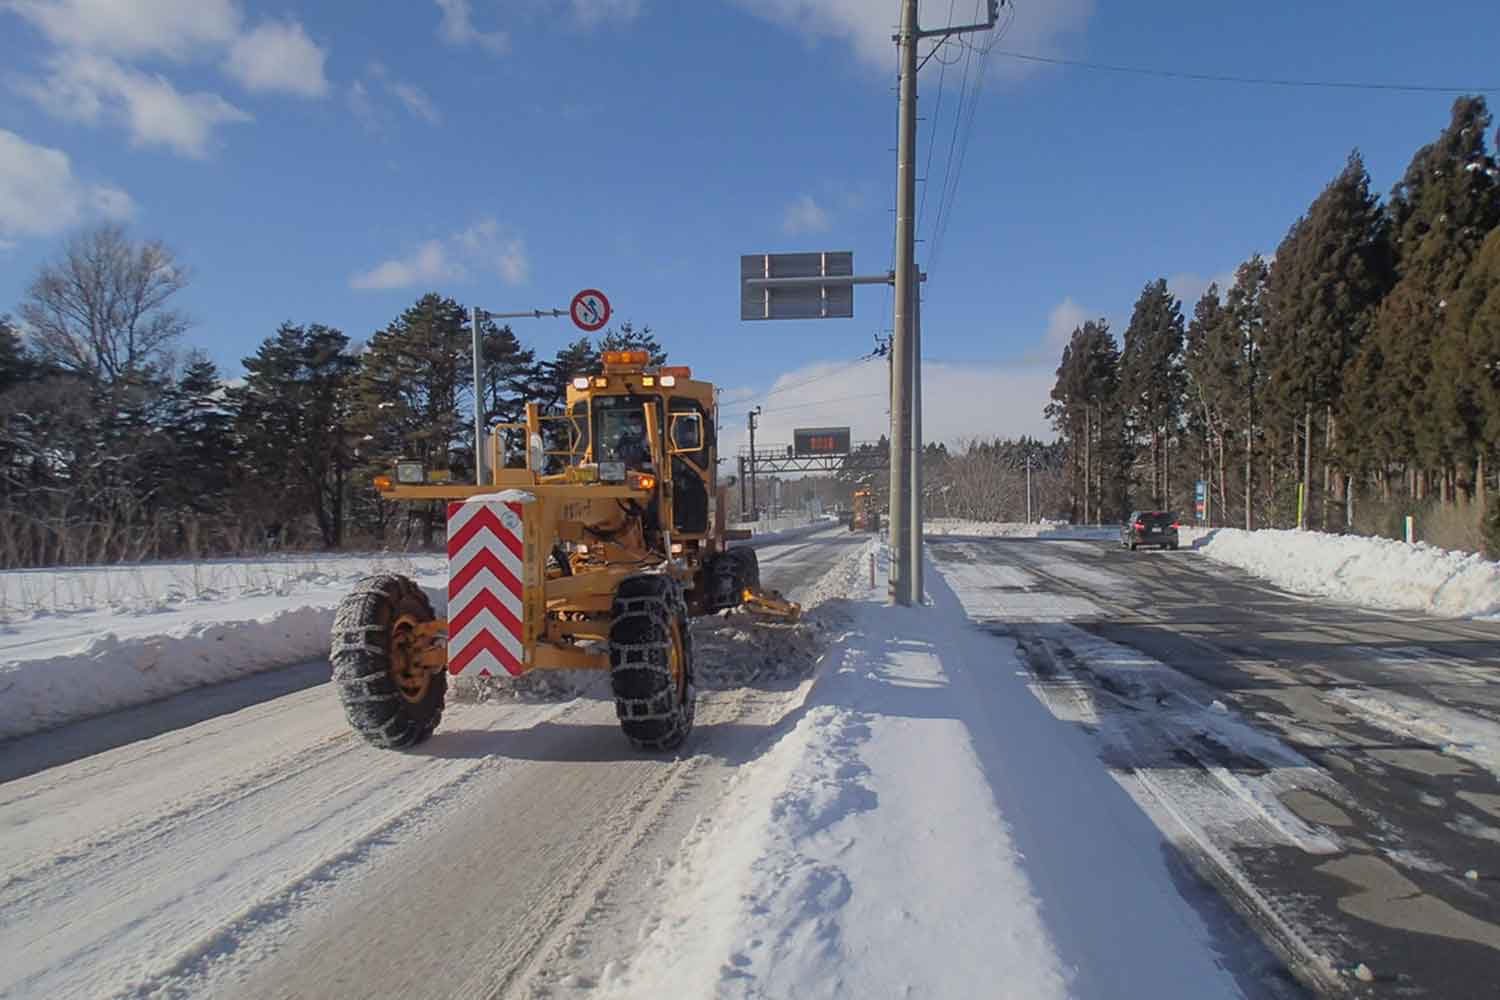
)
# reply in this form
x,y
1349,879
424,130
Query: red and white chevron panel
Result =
x,y
486,565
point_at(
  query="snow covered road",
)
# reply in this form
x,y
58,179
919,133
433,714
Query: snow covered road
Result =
x,y
268,852
1333,769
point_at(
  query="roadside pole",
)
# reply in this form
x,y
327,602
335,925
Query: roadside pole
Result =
x,y
901,342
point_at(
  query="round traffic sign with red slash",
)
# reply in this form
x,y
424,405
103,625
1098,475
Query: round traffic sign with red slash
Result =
x,y
590,310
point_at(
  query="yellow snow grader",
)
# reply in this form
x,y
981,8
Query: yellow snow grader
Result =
x,y
866,515
594,536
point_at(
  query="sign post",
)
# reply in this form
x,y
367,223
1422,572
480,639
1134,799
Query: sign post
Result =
x,y
1200,501
590,310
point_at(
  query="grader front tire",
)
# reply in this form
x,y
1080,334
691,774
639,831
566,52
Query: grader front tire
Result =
x,y
651,662
386,699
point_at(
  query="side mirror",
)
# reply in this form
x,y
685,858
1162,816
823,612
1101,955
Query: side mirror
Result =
x,y
687,433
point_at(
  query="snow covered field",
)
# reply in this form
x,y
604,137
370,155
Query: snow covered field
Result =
x,y
1016,529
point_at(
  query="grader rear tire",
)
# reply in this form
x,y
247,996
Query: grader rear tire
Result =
x,y
387,702
651,662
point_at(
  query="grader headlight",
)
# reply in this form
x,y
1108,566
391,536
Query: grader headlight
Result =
x,y
581,382
410,473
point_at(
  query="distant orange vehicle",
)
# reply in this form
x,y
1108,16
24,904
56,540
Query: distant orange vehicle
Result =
x,y
866,517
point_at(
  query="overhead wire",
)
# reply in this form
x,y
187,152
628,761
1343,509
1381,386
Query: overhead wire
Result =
x,y
1263,81
937,117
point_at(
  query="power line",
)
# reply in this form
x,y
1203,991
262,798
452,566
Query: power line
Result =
x,y
1263,81
744,404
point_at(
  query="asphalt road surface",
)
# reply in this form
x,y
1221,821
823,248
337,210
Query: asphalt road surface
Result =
x,y
1407,902
239,841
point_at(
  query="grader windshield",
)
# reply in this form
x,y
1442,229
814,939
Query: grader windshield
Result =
x,y
620,430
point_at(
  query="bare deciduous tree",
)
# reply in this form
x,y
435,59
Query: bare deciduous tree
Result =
x,y
102,310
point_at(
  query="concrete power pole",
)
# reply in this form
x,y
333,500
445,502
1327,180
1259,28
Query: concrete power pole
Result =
x,y
906,358
901,346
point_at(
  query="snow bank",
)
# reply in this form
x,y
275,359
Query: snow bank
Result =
x,y
1371,572
1016,529
93,640
784,529
112,673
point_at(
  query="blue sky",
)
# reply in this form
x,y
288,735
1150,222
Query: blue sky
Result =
x,y
330,162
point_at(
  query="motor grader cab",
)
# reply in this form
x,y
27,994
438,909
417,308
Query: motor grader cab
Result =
x,y
866,516
597,533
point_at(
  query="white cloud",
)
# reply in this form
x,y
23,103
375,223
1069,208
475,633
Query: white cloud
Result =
x,y
486,247
457,28
1064,318
960,402
172,28
361,104
804,217
91,88
867,25
40,196
278,57
427,264
416,101
1189,288
591,12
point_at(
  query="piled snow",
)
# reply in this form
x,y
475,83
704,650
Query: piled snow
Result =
x,y
766,527
80,642
897,840
1016,529
1371,572
783,529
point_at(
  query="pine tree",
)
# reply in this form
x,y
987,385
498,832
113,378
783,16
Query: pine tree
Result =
x,y
292,417
509,373
628,338
415,377
578,358
1151,379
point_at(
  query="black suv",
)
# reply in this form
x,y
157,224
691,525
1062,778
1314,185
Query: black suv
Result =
x,y
1149,527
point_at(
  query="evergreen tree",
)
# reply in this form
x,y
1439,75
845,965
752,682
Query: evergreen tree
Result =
x,y
1212,370
414,378
199,430
578,358
1086,413
1236,347
1151,380
628,338
15,365
1472,361
509,373
292,417
1330,273
1440,213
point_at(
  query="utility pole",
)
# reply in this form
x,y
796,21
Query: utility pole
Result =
x,y
906,359
754,415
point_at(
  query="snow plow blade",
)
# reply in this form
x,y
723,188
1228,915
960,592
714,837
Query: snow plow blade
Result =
x,y
771,604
